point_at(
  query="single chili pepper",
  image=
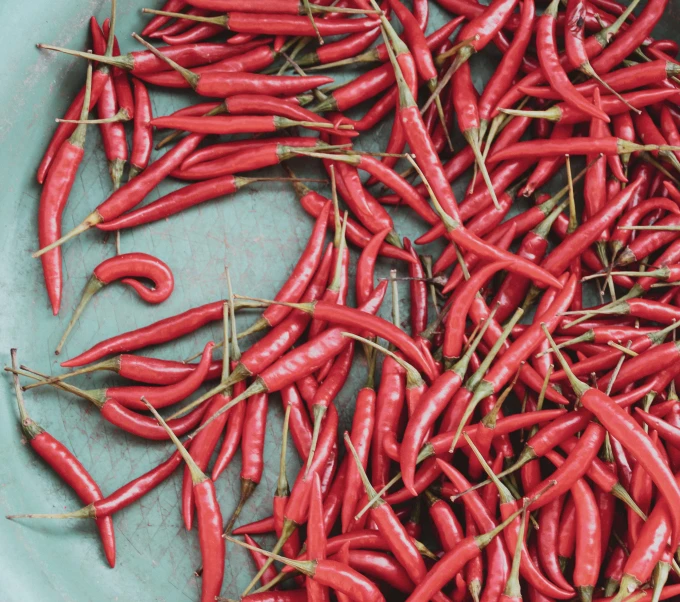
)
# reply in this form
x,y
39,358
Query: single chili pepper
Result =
x,y
621,80
142,135
224,149
209,520
587,553
159,332
631,435
275,24
366,266
362,433
54,196
418,292
350,46
127,268
449,530
332,574
270,153
259,560
548,536
66,465
316,539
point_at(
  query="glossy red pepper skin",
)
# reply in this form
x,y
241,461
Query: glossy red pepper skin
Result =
x,y
232,436
202,447
159,21
154,334
74,474
137,488
128,267
631,435
159,397
53,198
210,539
142,133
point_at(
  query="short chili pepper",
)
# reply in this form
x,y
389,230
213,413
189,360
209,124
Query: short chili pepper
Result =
x,y
66,465
126,268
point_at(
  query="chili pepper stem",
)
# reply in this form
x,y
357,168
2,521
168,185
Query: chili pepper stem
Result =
x,y
121,115
318,412
93,286
471,136
483,388
35,375
85,512
91,220
463,53
189,76
30,428
306,567
112,365
286,531
122,62
659,577
247,489
197,475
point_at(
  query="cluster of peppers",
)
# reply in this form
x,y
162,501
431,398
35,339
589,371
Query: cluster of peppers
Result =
x,y
578,500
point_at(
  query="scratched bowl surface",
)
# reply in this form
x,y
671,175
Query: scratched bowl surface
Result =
x,y
259,233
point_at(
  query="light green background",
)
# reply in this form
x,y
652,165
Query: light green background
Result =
x,y
258,233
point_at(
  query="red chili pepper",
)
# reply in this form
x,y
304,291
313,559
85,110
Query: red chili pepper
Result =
x,y
587,553
274,24
66,465
57,187
142,135
209,520
127,268
508,67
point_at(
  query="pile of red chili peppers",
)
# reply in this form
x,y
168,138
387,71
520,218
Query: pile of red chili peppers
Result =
x,y
509,442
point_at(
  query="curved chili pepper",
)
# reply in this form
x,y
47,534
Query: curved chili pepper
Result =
x,y
57,187
453,338
126,268
548,536
67,466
